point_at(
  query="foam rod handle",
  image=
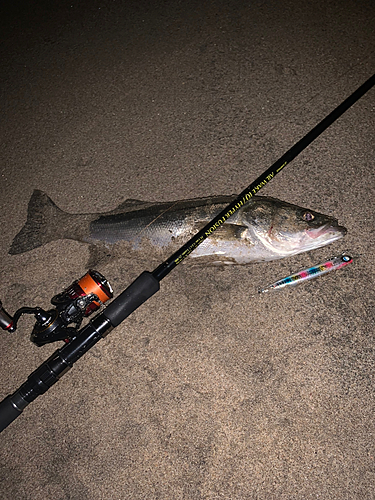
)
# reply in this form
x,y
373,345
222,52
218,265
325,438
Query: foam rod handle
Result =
x,y
136,294
8,412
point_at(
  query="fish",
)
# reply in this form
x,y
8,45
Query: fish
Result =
x,y
263,229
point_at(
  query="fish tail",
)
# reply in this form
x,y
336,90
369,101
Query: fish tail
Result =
x,y
42,225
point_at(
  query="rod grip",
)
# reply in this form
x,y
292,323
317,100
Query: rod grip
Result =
x,y
8,412
130,299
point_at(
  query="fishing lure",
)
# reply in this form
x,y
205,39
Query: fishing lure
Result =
x,y
310,273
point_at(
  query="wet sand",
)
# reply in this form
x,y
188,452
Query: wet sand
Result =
x,y
209,390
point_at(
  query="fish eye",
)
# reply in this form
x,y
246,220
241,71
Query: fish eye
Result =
x,y
308,216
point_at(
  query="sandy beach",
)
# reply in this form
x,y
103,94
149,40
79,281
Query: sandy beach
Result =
x,y
210,390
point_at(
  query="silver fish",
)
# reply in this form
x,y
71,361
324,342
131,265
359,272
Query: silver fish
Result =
x,y
264,229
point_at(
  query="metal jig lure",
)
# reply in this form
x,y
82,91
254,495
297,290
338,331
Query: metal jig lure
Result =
x,y
310,273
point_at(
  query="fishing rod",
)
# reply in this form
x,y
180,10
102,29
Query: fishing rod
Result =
x,y
87,294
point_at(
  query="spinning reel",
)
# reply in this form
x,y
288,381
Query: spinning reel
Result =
x,y
78,301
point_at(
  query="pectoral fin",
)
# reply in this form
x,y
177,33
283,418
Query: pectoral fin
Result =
x,y
227,245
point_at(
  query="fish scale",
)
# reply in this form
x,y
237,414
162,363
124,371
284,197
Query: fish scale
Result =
x,y
263,229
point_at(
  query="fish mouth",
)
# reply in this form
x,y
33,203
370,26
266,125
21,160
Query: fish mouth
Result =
x,y
328,230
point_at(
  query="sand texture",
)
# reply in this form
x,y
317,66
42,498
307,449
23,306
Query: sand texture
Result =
x,y
208,391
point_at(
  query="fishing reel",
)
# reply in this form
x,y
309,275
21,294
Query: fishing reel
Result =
x,y
78,301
